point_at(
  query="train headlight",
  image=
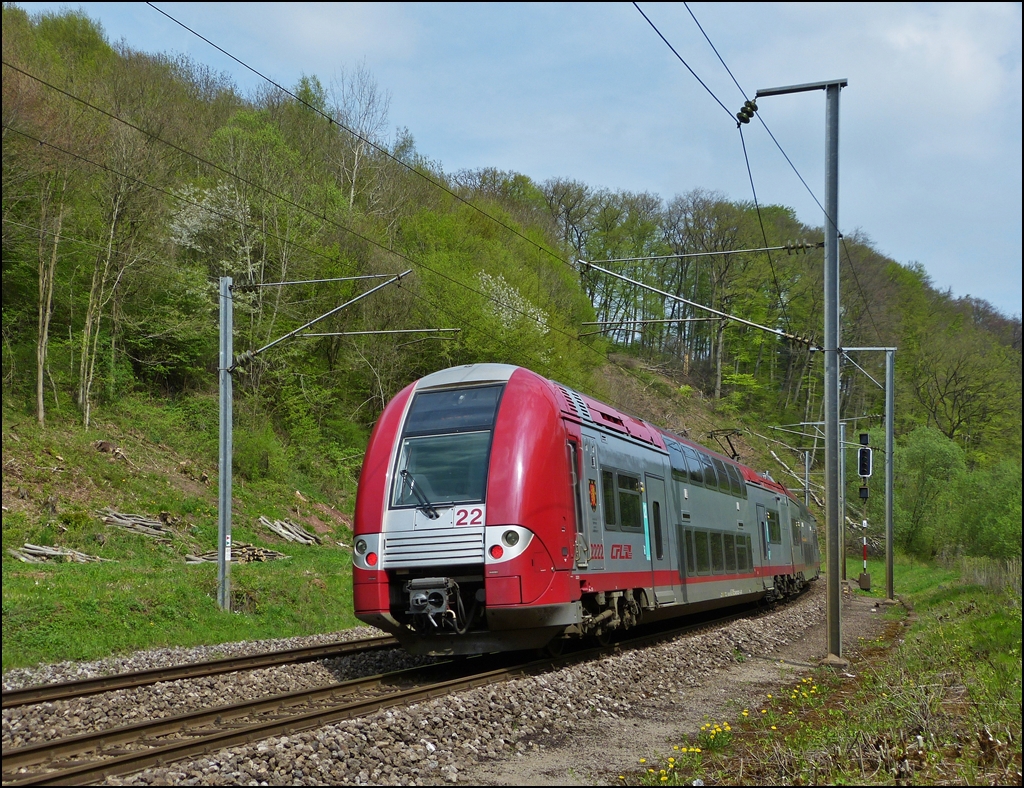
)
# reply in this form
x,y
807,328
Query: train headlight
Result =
x,y
510,538
360,546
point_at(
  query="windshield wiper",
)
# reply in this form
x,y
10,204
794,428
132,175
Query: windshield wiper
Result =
x,y
425,505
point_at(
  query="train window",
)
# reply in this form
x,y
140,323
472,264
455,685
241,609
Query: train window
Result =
x,y
717,556
736,481
453,410
694,466
442,469
729,542
630,507
723,476
700,552
659,548
710,476
675,457
774,527
690,569
608,497
795,524
742,554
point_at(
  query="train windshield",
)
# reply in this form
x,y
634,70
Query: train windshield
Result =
x,y
445,447
453,410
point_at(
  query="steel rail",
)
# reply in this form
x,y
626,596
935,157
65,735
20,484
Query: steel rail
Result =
x,y
241,733
41,693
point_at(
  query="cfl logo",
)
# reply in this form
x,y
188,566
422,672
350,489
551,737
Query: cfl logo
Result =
x,y
623,551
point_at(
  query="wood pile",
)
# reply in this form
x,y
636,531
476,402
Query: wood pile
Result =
x,y
290,531
241,553
137,523
38,554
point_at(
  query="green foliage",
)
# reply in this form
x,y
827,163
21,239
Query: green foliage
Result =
x,y
991,511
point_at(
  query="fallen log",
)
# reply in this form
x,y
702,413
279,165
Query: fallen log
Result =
x,y
39,554
241,553
290,531
136,523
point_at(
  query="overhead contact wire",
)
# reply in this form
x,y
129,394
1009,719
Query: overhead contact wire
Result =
x,y
680,57
739,87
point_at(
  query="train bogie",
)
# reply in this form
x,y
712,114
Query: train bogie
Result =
x,y
498,510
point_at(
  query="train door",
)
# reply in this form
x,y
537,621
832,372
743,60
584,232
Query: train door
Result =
x,y
656,524
684,555
582,550
762,528
594,533
784,556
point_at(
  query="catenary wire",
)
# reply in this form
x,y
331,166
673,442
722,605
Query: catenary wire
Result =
x,y
853,270
764,235
380,149
680,57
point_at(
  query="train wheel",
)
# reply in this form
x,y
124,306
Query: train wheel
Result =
x,y
604,639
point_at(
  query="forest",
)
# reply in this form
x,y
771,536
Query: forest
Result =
x,y
133,182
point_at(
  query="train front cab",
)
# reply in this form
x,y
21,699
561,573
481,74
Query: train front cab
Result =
x,y
464,531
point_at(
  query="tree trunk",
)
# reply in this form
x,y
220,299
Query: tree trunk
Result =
x,y
47,269
719,351
93,317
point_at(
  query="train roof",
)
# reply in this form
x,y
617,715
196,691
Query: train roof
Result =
x,y
592,412
607,417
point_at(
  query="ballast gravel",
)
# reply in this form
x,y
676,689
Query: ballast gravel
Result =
x,y
433,742
39,722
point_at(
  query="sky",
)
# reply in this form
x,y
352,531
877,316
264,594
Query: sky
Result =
x,y
930,123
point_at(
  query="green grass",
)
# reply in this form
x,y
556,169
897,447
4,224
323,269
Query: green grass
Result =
x,y
56,481
54,612
911,576
936,702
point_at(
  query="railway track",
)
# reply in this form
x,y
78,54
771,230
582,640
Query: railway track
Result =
x,y
42,693
91,757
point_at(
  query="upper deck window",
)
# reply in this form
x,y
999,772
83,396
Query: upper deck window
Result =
x,y
453,410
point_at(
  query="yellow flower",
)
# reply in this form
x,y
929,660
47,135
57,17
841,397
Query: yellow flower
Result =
x,y
643,760
672,760
769,695
774,728
764,711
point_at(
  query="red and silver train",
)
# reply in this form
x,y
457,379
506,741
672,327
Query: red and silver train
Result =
x,y
498,510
